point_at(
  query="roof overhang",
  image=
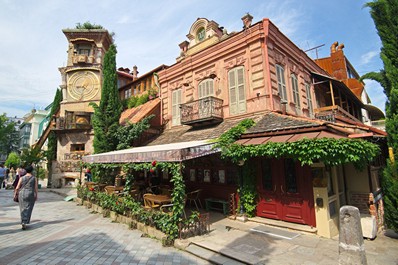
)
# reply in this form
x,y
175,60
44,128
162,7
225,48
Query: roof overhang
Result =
x,y
175,152
288,138
375,112
337,84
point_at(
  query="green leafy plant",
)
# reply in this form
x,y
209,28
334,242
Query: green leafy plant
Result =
x,y
13,160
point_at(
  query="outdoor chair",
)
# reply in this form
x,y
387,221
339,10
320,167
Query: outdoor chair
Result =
x,y
193,196
110,190
168,208
149,204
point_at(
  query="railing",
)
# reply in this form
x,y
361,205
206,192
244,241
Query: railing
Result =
x,y
63,124
205,109
330,114
199,227
75,155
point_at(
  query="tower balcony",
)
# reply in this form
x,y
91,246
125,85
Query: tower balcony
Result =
x,y
203,111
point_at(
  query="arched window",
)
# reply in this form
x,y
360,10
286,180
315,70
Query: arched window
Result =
x,y
201,34
206,88
237,91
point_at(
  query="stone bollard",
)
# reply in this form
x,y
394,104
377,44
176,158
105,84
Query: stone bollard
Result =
x,y
351,246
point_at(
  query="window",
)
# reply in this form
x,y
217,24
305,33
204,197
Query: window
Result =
x,y
237,97
127,93
290,176
77,147
201,33
296,94
175,106
206,88
280,75
266,174
309,99
83,49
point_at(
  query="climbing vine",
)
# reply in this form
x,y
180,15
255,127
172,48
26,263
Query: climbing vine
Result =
x,y
330,151
174,169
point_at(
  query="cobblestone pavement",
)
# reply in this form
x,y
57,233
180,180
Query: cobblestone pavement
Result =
x,y
62,233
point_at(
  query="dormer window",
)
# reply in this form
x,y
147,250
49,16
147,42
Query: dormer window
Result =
x,y
201,33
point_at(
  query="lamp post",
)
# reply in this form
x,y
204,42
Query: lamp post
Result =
x,y
242,207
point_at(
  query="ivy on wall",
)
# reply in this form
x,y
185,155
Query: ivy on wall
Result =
x,y
330,151
100,170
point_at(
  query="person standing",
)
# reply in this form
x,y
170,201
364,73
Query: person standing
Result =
x,y
20,173
27,190
3,172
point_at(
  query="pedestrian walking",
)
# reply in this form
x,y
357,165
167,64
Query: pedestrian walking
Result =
x,y
26,189
20,173
88,175
3,172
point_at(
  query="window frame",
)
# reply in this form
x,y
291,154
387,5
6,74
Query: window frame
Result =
x,y
281,81
237,90
309,99
176,101
295,91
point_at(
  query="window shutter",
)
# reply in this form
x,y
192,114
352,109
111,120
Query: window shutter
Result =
x,y
233,103
241,91
176,101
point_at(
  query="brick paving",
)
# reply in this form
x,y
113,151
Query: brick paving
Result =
x,y
63,233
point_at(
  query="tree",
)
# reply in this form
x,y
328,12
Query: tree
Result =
x,y
51,152
106,115
31,156
13,160
383,13
8,136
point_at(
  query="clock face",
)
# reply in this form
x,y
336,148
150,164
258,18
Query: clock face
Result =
x,y
83,85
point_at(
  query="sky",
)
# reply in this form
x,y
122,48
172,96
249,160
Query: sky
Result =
x,y
147,34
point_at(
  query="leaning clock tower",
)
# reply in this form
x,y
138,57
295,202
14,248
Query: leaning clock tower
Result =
x,y
81,85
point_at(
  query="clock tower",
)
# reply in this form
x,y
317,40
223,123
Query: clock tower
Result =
x,y
81,85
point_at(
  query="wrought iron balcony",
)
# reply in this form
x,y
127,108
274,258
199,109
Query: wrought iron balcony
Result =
x,y
202,111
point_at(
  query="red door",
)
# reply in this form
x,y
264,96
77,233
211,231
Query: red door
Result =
x,y
285,191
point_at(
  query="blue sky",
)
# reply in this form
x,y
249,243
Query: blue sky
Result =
x,y
147,34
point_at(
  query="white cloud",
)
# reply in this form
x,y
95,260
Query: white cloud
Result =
x,y
368,57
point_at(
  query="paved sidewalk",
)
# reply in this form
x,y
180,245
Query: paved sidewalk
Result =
x,y
267,245
63,233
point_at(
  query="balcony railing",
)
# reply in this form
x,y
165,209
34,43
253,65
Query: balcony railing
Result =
x,y
331,113
203,111
75,155
63,124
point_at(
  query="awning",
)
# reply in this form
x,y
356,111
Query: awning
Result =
x,y
287,138
175,152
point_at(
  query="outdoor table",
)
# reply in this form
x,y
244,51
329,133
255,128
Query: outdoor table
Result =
x,y
159,199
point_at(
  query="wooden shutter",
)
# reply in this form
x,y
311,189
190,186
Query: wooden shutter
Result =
x,y
233,102
241,90
175,102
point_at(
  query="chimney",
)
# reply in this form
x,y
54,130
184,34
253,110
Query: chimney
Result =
x,y
134,72
340,47
247,20
333,47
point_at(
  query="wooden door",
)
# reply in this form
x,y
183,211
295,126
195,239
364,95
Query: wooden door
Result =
x,y
285,191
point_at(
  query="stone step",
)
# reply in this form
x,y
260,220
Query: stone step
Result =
x,y
211,256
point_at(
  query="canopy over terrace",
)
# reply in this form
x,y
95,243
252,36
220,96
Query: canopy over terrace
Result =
x,y
175,152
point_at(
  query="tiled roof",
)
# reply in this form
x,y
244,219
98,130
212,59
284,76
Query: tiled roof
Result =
x,y
135,115
272,122
187,133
